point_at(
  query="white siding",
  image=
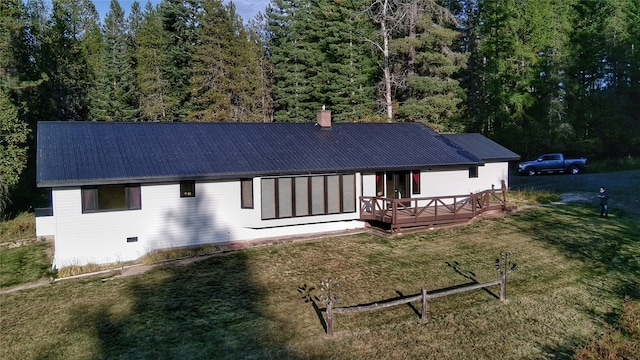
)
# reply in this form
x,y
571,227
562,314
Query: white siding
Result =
x,y
368,184
45,226
166,220
214,215
495,173
458,182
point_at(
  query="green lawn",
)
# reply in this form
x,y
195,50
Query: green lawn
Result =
x,y
23,264
23,258
575,270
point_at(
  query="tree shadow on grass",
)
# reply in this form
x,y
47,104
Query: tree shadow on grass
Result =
x,y
206,310
308,294
610,245
609,248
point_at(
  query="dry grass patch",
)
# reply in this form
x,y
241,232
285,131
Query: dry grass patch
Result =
x,y
159,256
75,270
530,197
19,228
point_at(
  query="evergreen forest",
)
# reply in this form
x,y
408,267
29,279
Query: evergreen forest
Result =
x,y
534,75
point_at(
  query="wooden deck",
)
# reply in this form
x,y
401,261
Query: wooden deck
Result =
x,y
430,211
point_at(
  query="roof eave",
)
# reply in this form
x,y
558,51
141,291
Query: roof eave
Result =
x,y
229,176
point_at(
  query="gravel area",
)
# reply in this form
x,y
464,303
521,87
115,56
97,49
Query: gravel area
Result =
x,y
623,188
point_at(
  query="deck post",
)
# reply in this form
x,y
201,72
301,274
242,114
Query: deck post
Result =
x,y
473,200
425,317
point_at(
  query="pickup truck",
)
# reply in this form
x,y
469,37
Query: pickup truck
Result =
x,y
549,163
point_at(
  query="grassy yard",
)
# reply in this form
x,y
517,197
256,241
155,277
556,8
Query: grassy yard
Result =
x,y
23,258
575,271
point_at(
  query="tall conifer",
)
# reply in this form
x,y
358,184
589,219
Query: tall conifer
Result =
x,y
427,66
226,68
292,54
180,20
151,57
114,98
69,58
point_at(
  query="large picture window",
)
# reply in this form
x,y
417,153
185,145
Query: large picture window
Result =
x,y
110,198
308,195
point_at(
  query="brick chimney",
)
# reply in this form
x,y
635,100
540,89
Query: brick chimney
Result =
x,y
324,118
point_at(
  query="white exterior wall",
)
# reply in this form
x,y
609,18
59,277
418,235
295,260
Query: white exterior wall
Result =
x,y
214,215
45,226
369,185
495,173
457,181
166,220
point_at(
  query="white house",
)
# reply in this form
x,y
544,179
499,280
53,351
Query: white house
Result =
x,y
121,190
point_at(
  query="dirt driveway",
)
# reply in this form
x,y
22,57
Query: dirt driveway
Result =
x,y
623,188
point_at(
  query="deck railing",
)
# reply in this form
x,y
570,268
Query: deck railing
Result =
x,y
431,210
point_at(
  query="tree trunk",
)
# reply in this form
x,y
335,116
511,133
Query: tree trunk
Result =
x,y
387,66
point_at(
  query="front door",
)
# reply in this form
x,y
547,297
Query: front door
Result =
x,y
398,185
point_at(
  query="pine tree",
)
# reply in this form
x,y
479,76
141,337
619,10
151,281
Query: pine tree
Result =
x,y
114,98
425,51
180,20
226,68
321,57
257,31
151,58
35,66
618,129
134,22
521,63
345,80
292,54
71,43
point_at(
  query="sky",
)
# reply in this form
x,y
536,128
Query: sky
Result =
x,y
247,9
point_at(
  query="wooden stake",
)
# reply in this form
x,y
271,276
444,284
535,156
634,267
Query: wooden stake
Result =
x,y
425,317
330,318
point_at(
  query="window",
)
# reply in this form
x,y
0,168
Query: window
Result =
x,y
473,171
302,196
187,188
268,191
379,184
415,182
246,193
348,193
308,195
111,197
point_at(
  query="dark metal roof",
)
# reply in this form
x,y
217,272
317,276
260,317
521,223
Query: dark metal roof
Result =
x,y
482,147
84,153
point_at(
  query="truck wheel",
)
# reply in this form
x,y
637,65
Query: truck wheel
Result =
x,y
574,170
530,171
